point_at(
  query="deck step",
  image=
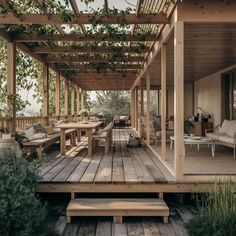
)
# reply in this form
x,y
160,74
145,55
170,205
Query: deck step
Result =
x,y
117,208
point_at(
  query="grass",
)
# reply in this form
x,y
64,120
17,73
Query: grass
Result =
x,y
217,211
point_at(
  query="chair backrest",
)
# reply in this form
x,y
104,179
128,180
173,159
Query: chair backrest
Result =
x,y
108,127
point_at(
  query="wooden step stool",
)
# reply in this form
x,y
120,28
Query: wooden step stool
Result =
x,y
117,208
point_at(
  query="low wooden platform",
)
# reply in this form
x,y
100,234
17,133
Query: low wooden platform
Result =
x,y
121,165
117,208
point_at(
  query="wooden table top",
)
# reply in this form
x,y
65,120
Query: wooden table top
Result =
x,y
80,125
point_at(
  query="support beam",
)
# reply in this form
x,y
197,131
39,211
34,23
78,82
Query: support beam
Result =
x,y
148,114
163,102
72,100
142,103
82,100
77,99
58,95
11,84
132,107
136,107
179,98
46,92
66,92
85,18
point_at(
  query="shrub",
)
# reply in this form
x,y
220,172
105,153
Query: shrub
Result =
x,y
20,210
217,212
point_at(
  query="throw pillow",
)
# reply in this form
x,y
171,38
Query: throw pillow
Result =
x,y
29,133
232,131
225,127
48,130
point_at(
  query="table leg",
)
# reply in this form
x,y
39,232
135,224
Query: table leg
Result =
x,y
63,142
171,144
78,135
212,150
90,142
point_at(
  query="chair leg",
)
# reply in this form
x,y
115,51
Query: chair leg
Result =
x,y
234,151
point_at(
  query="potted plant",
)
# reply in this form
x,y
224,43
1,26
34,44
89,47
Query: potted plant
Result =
x,y
189,128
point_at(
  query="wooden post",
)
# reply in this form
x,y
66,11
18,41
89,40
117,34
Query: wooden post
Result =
x,y
179,98
82,99
132,97
136,107
141,101
163,102
58,93
72,100
46,93
148,115
66,98
77,100
11,84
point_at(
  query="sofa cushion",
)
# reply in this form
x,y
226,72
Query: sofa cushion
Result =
x,y
49,130
38,136
226,139
124,118
116,117
232,131
214,136
38,127
226,126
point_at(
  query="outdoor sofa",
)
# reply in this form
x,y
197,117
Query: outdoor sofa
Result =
x,y
224,135
121,121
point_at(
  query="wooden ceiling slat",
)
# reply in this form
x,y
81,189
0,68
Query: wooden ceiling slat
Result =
x,y
117,67
85,18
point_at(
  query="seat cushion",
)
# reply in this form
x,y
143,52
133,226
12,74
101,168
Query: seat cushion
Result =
x,y
226,139
214,136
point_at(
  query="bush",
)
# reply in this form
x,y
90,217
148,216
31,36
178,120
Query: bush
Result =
x,y
21,212
217,212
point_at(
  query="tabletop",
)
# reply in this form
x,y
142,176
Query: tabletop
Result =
x,y
80,125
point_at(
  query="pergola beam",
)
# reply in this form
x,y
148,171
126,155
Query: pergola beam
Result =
x,y
81,59
82,37
85,18
117,67
68,49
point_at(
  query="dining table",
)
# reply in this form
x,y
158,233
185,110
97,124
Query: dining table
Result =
x,y
88,127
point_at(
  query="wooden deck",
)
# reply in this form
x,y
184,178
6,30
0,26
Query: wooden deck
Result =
x,y
121,166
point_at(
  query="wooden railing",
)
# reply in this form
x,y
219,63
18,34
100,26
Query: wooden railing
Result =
x,y
21,122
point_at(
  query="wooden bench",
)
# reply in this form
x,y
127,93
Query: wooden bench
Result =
x,y
106,135
39,144
117,208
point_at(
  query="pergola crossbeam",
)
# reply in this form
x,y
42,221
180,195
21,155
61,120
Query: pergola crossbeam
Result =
x,y
82,37
85,18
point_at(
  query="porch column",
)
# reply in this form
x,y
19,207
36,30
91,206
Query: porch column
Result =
x,y
66,98
11,84
178,98
46,93
82,99
58,95
148,115
136,107
132,97
163,102
72,100
141,101
77,99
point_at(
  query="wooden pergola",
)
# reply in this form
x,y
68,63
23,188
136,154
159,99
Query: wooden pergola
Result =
x,y
167,19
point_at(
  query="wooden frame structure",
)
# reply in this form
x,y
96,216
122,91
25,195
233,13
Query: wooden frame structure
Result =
x,y
168,21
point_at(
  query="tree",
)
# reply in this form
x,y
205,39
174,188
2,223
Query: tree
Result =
x,y
111,103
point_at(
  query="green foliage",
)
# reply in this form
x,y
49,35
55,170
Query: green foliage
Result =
x,y
111,103
20,209
188,127
217,212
